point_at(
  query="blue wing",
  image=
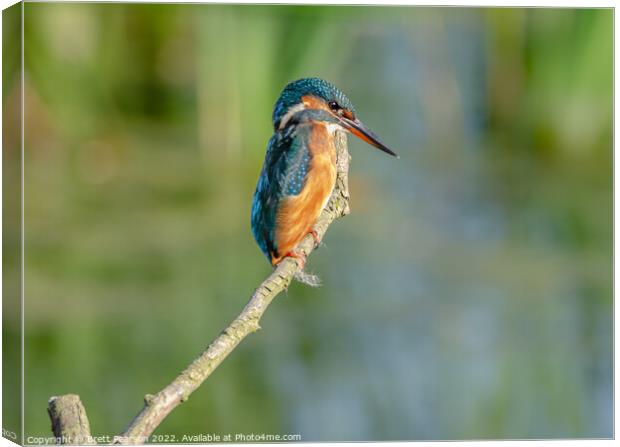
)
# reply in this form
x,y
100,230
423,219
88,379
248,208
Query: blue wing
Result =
x,y
284,172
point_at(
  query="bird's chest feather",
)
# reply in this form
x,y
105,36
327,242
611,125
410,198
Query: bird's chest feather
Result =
x,y
299,212
321,176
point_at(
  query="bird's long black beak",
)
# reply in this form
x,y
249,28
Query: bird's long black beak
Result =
x,y
359,129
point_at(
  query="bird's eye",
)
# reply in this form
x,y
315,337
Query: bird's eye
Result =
x,y
334,105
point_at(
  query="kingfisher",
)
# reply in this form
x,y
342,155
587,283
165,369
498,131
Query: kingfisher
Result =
x,y
299,171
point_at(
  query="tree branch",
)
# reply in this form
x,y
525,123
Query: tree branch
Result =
x,y
69,422
158,406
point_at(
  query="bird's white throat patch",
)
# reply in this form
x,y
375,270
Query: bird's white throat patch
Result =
x,y
333,127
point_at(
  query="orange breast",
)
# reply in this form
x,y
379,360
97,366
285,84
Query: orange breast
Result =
x,y
299,213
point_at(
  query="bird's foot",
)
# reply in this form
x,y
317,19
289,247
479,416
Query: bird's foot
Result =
x,y
299,257
315,236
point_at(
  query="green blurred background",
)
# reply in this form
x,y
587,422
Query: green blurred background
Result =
x,y
469,293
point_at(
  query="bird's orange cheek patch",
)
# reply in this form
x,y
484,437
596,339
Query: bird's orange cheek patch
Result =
x,y
312,102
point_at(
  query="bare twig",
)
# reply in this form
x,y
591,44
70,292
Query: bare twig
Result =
x,y
158,406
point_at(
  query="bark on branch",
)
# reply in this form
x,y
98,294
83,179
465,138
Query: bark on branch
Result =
x,y
69,422
158,406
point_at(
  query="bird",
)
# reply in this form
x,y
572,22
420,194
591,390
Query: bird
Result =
x,y
299,170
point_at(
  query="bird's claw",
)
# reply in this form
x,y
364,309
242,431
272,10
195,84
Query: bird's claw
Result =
x,y
315,236
300,258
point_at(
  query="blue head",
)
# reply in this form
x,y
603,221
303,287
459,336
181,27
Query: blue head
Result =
x,y
294,92
320,95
